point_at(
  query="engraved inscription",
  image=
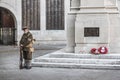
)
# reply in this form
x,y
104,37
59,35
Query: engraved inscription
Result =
x,y
91,32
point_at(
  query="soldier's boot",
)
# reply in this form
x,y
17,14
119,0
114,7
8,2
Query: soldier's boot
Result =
x,y
25,63
28,64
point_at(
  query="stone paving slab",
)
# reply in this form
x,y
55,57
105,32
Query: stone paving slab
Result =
x,y
37,47
9,70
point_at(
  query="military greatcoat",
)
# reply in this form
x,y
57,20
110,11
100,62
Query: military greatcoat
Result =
x,y
26,41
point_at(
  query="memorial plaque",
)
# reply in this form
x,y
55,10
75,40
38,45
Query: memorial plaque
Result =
x,y
91,32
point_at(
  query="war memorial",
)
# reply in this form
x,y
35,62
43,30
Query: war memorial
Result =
x,y
92,37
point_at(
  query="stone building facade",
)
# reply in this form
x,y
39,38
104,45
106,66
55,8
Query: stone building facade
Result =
x,y
49,21
45,18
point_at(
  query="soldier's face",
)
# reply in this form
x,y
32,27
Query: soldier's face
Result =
x,y
26,30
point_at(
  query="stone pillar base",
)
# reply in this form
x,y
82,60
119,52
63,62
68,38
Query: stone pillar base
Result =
x,y
86,48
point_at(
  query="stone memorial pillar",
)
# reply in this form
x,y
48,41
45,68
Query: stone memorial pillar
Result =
x,y
74,7
96,25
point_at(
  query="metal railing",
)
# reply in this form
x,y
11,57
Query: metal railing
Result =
x,y
7,36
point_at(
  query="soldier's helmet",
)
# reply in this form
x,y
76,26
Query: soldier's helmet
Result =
x,y
25,28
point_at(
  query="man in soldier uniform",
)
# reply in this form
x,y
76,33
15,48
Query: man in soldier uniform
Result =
x,y
26,44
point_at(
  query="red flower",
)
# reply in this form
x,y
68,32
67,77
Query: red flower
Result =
x,y
94,51
103,50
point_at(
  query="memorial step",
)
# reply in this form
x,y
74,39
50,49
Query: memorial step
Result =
x,y
74,66
79,61
84,56
71,60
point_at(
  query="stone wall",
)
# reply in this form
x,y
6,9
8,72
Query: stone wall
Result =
x,y
43,35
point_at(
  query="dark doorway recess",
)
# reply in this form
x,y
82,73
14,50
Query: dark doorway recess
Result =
x,y
7,27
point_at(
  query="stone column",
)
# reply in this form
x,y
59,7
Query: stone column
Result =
x,y
75,3
71,25
70,33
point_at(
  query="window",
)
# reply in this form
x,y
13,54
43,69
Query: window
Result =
x,y
55,14
31,14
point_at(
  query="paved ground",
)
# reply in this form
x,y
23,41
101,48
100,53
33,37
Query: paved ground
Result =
x,y
9,59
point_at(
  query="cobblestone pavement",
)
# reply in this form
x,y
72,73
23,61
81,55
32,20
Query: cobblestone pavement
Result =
x,y
9,69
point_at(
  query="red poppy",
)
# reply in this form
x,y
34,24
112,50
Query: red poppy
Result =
x,y
103,50
94,51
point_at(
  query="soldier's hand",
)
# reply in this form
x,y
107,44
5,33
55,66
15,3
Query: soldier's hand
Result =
x,y
21,45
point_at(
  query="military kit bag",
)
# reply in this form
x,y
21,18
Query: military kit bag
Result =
x,y
31,49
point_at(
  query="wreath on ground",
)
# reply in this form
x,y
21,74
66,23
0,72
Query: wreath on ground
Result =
x,y
100,50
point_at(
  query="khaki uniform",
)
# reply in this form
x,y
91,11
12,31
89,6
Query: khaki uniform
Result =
x,y
27,41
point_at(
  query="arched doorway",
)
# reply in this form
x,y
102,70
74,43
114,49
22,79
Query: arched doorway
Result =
x,y
7,27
